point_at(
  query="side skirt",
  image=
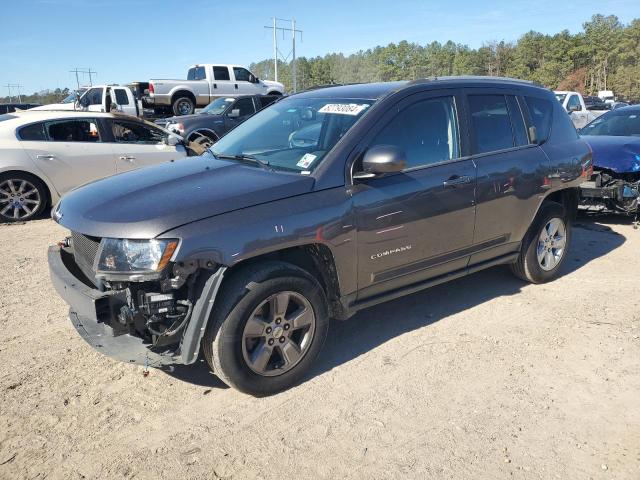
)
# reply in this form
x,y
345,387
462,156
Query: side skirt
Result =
x,y
352,306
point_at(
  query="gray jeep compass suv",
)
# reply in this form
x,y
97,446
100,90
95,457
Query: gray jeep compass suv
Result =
x,y
245,253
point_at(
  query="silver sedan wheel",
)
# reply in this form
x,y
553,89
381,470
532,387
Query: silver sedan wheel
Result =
x,y
551,244
278,334
18,199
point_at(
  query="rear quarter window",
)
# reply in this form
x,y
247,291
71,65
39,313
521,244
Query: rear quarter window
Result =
x,y
35,131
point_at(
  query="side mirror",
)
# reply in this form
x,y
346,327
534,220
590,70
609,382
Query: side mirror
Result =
x,y
173,140
235,113
253,78
382,159
574,108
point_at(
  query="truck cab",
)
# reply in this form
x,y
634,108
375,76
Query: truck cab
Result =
x,y
205,83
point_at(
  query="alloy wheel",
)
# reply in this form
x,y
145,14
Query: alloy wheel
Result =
x,y
18,199
551,244
278,333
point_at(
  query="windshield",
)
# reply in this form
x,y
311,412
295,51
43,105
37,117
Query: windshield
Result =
x,y
293,134
218,106
72,96
561,97
616,123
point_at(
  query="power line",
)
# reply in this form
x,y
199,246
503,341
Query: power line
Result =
x,y
84,71
277,28
17,87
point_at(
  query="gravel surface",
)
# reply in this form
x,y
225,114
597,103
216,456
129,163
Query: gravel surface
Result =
x,y
485,377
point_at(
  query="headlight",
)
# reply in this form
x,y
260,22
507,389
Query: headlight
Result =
x,y
176,128
122,256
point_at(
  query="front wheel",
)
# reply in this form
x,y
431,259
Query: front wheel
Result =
x,y
544,248
268,328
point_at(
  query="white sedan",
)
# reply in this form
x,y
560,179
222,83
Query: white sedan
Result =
x,y
44,154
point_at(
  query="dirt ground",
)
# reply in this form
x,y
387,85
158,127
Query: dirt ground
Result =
x,y
482,378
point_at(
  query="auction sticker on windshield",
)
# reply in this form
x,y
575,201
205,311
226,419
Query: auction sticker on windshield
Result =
x,y
306,160
343,108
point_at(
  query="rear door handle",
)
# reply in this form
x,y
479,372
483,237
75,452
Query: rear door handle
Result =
x,y
46,157
456,180
127,158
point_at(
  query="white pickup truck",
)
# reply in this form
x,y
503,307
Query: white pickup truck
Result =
x,y
204,83
101,98
579,112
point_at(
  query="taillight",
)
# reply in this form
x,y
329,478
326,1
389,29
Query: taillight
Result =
x,y
151,89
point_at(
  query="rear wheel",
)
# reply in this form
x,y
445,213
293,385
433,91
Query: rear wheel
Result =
x,y
22,197
268,328
183,106
544,248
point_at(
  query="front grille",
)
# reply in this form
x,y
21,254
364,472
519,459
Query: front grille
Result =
x,y
85,249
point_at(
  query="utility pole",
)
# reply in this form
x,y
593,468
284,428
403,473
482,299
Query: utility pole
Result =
x,y
88,71
17,87
276,52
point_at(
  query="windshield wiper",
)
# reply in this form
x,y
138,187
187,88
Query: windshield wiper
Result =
x,y
241,158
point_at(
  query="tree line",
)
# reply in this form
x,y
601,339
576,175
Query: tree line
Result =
x,y
605,55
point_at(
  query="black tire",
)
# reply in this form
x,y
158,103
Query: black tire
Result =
x,y
240,296
528,267
183,106
34,190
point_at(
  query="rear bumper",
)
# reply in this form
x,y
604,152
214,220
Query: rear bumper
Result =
x,y
92,313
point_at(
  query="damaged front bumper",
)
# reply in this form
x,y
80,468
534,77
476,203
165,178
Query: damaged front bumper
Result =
x,y
93,314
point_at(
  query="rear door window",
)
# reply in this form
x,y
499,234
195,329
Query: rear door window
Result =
x,y
221,73
73,131
491,123
196,73
33,132
541,112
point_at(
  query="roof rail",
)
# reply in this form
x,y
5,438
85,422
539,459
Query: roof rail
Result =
x,y
473,77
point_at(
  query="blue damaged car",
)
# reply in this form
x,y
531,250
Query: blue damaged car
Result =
x,y
614,139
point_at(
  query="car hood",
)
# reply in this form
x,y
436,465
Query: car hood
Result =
x,y
619,154
147,202
271,83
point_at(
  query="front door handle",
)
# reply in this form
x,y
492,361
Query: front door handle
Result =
x,y
456,180
127,158
236,86
46,157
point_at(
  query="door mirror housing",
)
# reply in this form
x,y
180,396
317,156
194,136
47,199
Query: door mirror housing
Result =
x,y
173,140
235,113
253,78
382,159
574,108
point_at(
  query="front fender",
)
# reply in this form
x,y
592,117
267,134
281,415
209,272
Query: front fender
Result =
x,y
323,217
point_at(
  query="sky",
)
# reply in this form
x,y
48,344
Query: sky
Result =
x,y
136,40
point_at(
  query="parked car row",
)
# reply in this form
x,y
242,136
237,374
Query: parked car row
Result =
x,y
46,154
322,204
